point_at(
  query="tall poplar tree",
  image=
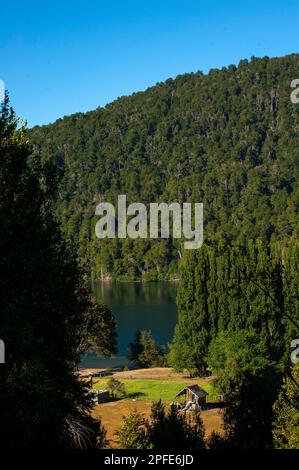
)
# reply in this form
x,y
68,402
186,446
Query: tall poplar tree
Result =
x,y
192,335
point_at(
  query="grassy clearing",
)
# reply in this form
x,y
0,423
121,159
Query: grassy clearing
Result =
x,y
151,389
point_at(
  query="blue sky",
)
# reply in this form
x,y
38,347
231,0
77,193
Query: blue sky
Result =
x,y
60,57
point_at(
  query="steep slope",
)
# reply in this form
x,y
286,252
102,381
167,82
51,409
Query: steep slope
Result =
x,y
228,139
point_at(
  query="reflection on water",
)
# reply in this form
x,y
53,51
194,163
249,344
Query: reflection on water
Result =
x,y
136,306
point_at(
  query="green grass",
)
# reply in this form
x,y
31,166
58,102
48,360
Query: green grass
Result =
x,y
151,389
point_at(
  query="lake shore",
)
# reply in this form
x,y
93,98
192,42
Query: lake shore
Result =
x,y
159,373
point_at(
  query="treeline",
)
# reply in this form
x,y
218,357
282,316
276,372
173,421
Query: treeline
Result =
x,y
228,139
238,312
250,287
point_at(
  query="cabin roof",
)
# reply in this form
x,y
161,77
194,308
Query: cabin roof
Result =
x,y
195,389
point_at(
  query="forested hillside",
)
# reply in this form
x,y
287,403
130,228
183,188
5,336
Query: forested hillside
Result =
x,y
228,139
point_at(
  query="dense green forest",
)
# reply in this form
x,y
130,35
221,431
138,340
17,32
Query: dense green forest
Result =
x,y
248,287
228,139
238,312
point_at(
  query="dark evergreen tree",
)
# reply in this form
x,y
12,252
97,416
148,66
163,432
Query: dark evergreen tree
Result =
x,y
99,329
170,429
166,429
144,351
248,416
43,305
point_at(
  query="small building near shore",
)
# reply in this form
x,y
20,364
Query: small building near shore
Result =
x,y
100,396
194,397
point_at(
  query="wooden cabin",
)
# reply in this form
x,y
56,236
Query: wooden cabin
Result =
x,y
100,396
194,396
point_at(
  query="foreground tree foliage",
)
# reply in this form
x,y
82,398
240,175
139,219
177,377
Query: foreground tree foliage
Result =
x,y
249,394
133,432
43,305
228,139
99,329
172,429
166,429
248,381
286,410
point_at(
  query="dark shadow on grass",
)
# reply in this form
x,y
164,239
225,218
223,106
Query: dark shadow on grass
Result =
x,y
135,395
132,395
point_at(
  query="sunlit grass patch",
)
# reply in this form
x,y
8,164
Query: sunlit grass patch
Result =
x,y
151,389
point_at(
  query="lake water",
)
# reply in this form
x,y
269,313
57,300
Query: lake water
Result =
x,y
136,306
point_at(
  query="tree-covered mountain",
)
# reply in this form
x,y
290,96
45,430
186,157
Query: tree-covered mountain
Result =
x,y
228,139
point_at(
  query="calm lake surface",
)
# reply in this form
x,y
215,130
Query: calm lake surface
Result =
x,y
136,306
